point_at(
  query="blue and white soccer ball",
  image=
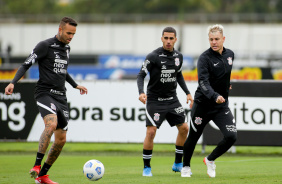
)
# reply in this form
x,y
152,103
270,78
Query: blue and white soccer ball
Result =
x,y
93,170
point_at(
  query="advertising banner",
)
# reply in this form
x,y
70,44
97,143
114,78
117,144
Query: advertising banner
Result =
x,y
257,109
111,112
17,111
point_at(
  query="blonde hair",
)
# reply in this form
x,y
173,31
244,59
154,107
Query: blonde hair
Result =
x,y
215,28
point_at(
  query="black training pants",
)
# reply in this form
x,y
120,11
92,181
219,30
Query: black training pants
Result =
x,y
200,117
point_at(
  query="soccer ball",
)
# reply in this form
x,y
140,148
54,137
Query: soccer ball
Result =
x,y
93,170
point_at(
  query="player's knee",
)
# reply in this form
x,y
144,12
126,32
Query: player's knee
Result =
x,y
183,129
231,138
186,129
151,133
61,140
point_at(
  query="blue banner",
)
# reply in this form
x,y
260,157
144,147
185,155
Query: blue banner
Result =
x,y
91,72
131,61
109,67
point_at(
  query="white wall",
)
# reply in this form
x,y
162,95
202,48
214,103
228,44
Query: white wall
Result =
x,y
141,39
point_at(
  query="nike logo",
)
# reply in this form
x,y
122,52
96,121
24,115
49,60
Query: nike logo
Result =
x,y
215,64
55,45
163,62
227,112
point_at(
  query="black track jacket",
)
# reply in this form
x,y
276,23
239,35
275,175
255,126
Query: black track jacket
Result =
x,y
214,72
52,57
165,70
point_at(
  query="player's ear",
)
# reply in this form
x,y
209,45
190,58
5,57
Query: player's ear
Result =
x,y
60,29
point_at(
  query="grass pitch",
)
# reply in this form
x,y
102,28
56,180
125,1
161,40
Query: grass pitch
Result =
x,y
123,166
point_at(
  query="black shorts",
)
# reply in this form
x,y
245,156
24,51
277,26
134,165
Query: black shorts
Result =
x,y
158,111
202,114
59,106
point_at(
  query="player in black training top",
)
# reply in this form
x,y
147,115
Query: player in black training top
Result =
x,y
52,56
165,68
211,101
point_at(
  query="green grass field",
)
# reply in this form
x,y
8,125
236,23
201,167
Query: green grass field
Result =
x,y
123,164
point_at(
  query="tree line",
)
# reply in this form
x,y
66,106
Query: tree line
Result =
x,y
103,7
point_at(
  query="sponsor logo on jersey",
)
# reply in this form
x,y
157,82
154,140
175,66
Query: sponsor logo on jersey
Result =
x,y
31,58
156,116
59,66
162,55
164,80
177,62
56,55
53,106
229,59
56,92
60,70
167,77
198,120
231,128
163,67
179,110
165,99
61,61
168,71
162,62
175,54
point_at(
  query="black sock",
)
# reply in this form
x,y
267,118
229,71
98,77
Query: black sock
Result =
x,y
39,158
147,155
178,154
44,169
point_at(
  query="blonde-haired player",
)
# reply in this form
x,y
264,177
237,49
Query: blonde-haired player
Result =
x,y
211,101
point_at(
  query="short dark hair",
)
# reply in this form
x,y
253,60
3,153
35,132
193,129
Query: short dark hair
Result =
x,y
170,30
68,20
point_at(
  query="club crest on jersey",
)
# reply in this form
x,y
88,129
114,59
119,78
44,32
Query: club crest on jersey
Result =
x,y
177,62
156,116
66,113
229,60
53,106
198,120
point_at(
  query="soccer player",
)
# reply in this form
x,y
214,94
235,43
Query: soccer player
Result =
x,y
52,56
211,101
165,67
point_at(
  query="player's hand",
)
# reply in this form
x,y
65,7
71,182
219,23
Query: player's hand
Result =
x,y
220,100
9,89
190,98
143,98
83,90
